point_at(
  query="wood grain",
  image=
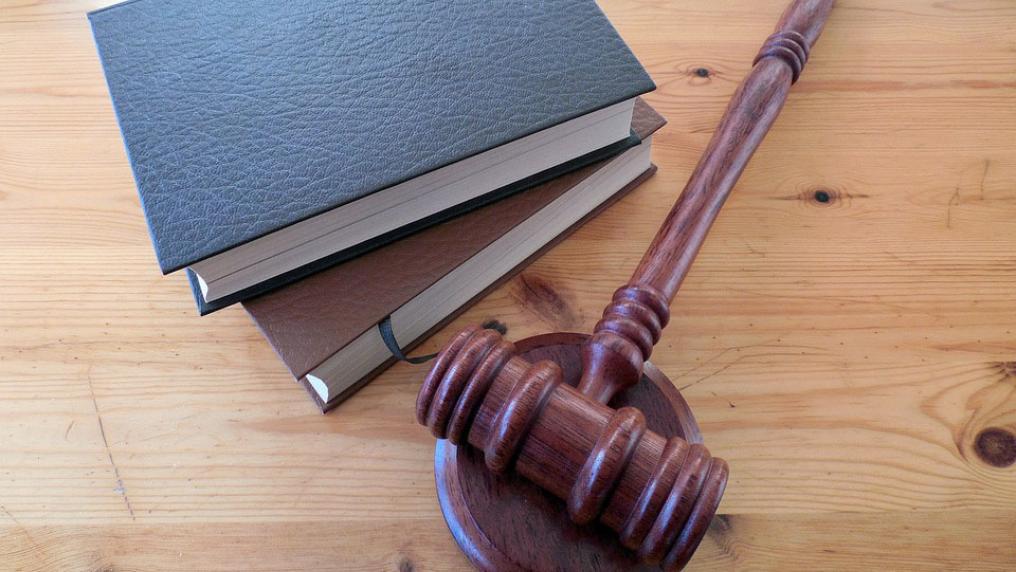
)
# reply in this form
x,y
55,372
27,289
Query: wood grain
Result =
x,y
843,356
624,337
658,492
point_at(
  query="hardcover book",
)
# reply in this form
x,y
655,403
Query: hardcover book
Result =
x,y
270,139
325,328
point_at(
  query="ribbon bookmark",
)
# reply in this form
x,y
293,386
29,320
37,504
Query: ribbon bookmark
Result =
x,y
388,335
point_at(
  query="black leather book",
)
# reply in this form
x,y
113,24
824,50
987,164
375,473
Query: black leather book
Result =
x,y
268,138
271,284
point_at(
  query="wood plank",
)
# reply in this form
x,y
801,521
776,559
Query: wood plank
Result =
x,y
843,356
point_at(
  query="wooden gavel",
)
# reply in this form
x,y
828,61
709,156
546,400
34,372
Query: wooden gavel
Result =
x,y
659,495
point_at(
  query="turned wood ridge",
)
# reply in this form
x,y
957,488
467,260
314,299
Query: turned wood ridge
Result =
x,y
659,495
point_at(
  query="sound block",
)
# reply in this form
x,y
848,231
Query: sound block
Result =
x,y
505,523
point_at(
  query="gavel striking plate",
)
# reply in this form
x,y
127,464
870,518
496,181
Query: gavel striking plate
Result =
x,y
523,423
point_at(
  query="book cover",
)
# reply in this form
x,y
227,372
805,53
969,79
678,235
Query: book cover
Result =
x,y
205,307
244,117
309,320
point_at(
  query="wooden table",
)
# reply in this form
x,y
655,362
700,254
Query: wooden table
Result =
x,y
845,338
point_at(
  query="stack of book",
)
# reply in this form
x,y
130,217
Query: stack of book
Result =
x,y
348,168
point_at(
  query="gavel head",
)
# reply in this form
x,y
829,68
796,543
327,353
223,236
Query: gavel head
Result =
x,y
658,494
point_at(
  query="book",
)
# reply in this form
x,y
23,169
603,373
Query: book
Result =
x,y
325,327
270,139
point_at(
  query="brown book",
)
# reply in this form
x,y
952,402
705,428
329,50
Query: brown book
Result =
x,y
325,327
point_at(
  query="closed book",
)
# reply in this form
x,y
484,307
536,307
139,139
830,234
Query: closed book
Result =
x,y
325,327
269,139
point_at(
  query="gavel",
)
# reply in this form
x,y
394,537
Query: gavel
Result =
x,y
658,494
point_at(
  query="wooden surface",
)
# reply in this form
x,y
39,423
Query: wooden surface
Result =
x,y
623,339
843,356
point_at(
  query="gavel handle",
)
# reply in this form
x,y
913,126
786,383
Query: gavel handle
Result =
x,y
631,325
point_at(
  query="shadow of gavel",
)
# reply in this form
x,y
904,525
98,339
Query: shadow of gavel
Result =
x,y
658,494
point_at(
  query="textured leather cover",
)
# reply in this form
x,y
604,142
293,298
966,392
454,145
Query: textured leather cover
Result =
x,y
205,307
244,116
308,321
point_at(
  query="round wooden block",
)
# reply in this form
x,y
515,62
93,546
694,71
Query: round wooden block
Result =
x,y
505,523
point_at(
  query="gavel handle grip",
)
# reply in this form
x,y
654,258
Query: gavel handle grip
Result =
x,y
631,325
